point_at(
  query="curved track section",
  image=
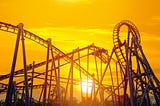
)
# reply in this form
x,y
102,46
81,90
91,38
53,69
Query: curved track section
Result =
x,y
139,77
117,39
14,29
99,52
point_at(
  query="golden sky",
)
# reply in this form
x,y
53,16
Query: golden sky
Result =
x,y
73,23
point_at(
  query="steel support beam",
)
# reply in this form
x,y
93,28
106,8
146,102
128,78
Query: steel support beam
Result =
x,y
8,99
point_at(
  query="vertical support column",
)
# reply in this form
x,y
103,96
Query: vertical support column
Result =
x,y
25,69
40,96
59,93
46,74
50,82
87,72
53,68
32,83
80,73
71,85
92,90
112,87
94,98
22,96
93,87
14,91
8,99
67,86
101,91
129,71
118,83
56,77
95,59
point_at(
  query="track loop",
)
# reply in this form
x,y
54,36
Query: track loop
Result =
x,y
120,52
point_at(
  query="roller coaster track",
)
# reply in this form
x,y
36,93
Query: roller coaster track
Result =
x,y
2,85
14,29
99,52
118,43
142,81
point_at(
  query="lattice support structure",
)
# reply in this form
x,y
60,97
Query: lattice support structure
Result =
x,y
144,87
126,80
8,100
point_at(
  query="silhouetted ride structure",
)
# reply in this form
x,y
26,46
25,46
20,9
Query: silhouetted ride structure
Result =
x,y
121,78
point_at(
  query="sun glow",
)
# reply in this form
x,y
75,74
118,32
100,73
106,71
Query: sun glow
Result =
x,y
87,86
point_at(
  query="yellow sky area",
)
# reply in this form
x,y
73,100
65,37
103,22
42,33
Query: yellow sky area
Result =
x,y
78,23
73,1
97,13
73,37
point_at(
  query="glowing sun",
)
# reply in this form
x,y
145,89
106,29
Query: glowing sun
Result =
x,y
87,86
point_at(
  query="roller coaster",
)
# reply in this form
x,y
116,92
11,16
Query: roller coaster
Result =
x,y
123,77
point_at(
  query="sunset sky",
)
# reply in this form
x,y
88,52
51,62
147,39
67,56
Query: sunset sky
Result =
x,y
78,23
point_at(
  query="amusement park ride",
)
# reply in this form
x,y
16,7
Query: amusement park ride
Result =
x,y
122,78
